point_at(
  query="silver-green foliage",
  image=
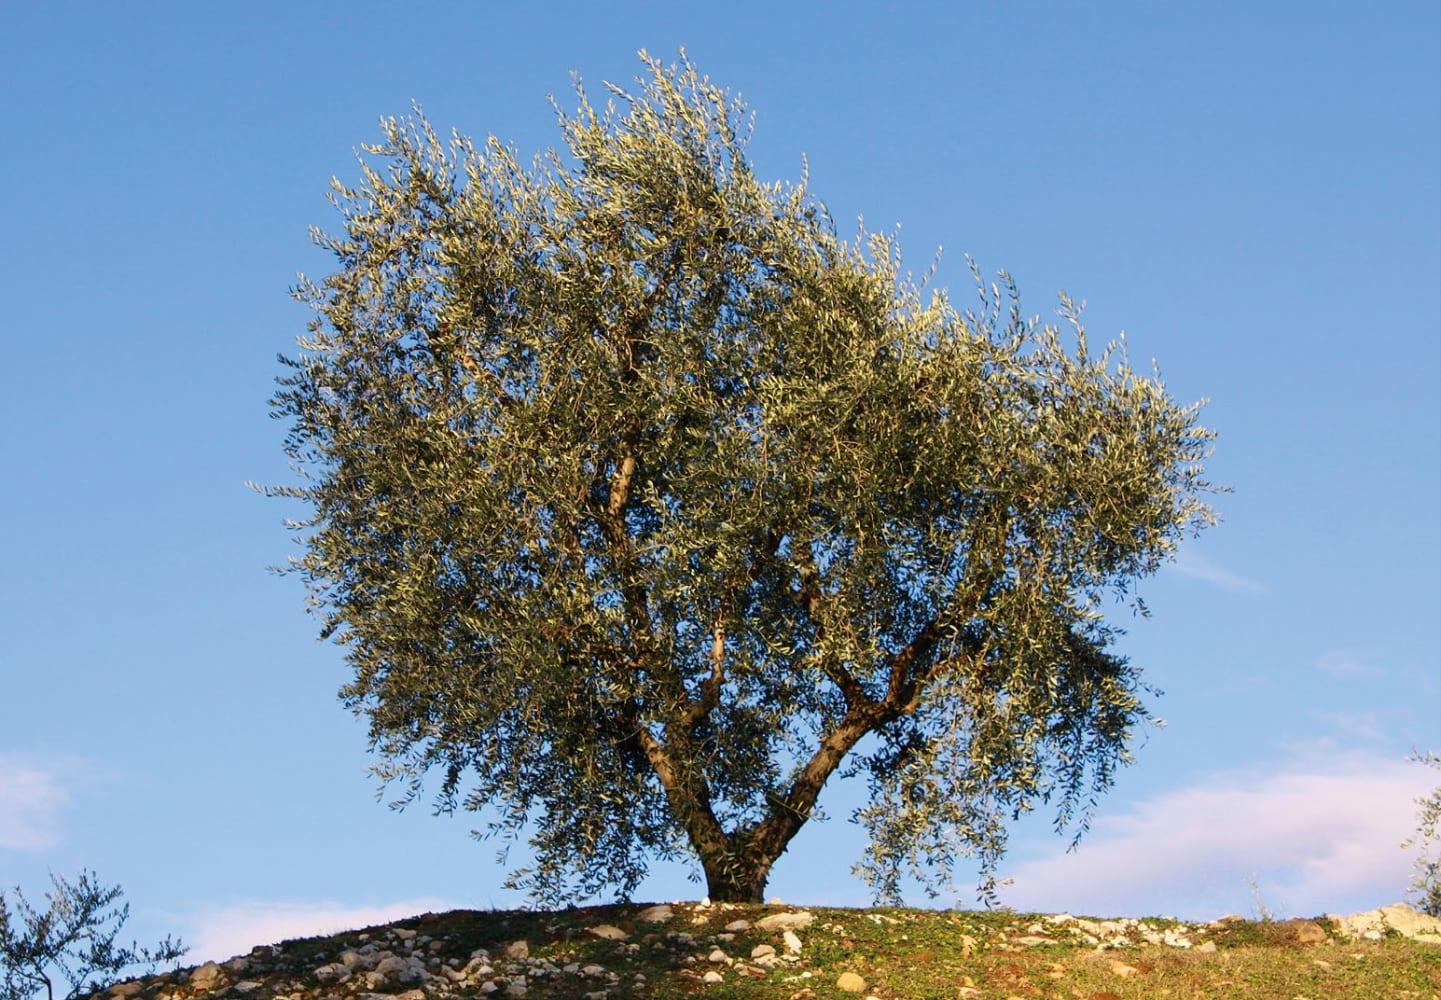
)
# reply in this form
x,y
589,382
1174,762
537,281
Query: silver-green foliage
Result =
x,y
1426,874
641,500
69,948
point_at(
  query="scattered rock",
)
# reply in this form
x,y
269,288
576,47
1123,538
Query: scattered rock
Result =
x,y
762,950
609,932
793,943
795,921
655,914
389,965
207,976
1304,931
124,990
518,949
1122,970
738,926
1033,940
1404,920
713,977
1206,948
849,982
333,973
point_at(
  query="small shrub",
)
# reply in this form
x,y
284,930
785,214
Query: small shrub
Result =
x,y
70,943
1425,884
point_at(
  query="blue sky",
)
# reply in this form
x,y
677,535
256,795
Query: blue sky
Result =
x,y
1249,191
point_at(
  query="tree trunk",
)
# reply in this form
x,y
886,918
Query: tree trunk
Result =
x,y
736,879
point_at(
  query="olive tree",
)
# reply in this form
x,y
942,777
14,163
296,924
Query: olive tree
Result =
x,y
642,504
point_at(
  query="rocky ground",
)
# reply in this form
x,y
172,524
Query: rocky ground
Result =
x,y
696,949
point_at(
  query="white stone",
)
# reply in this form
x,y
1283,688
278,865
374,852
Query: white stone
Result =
x,y
1373,924
655,914
797,920
390,964
609,932
793,943
207,976
713,977
333,973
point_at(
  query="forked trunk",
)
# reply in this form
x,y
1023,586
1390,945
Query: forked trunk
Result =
x,y
736,880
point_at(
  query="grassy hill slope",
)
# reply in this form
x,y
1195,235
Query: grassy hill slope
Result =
x,y
783,953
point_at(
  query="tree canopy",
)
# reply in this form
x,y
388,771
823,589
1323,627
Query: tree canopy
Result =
x,y
642,503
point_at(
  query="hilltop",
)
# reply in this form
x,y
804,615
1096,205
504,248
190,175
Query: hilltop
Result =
x,y
789,953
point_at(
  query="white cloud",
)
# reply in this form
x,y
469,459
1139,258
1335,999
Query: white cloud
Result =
x,y
1340,663
32,793
1198,567
1317,837
221,933
1363,727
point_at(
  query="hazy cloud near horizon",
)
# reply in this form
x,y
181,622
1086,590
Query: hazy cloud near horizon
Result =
x,y
1317,836
226,931
32,794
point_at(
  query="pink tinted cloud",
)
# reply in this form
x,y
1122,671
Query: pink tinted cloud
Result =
x,y
226,931
1316,837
